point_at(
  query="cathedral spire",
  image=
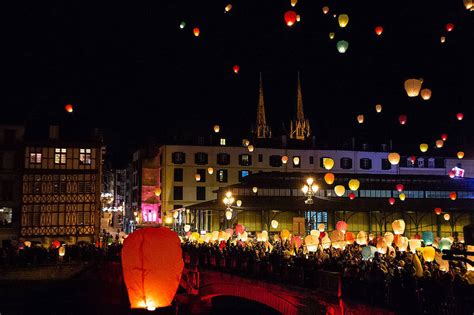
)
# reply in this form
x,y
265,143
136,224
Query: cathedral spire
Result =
x,y
263,131
299,102
299,128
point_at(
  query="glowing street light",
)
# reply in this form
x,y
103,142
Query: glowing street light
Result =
x,y
309,190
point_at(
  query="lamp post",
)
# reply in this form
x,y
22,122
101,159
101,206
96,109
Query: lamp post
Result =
x,y
309,190
228,201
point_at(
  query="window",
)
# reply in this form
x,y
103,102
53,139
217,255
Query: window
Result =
x,y
386,164
200,193
311,160
223,159
200,158
178,175
9,136
222,141
421,162
260,158
60,156
202,173
244,173
178,157
346,163
85,156
178,192
221,176
275,160
35,158
245,159
365,164
431,163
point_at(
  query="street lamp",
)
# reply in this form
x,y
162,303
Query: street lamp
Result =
x,y
228,201
309,190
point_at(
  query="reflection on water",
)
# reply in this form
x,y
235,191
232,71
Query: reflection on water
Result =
x,y
233,305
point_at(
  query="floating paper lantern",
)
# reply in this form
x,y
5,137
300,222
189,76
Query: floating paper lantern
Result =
x,y
339,190
210,170
228,8
152,263
239,229
402,119
342,46
459,116
389,238
446,216
360,119
378,108
243,237
442,39
315,233
321,227
381,245
423,147
176,214
182,25
451,174
341,226
337,239
391,201
402,197
229,232
444,243
394,158
298,18
215,236
331,35
425,94
350,238
343,20
157,191
311,243
412,87
290,18
351,196
452,195
354,184
371,236
326,242
449,27
254,189
469,4
379,30
236,69
239,203
328,163
444,137
274,224
284,159
460,154
285,234
412,159
296,160
293,2
402,243
196,31
329,178
197,177
217,128
250,148
399,187
398,226
428,253
68,108
427,237
439,144
414,244
438,211
55,244
297,241
325,10
361,238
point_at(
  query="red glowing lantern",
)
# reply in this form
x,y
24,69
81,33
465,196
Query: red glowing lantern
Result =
x,y
341,226
290,18
438,211
391,201
459,116
239,229
399,187
417,236
413,158
68,108
379,30
444,137
453,195
55,244
352,196
297,241
402,119
452,174
236,69
449,27
350,238
196,31
152,263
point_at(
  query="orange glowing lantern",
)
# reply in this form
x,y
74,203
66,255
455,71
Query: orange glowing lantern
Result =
x,y
210,170
339,190
329,178
446,216
290,18
428,253
460,154
413,87
469,4
250,148
402,119
439,144
236,69
394,158
152,264
425,94
284,159
217,128
449,27
451,174
341,226
459,116
157,191
68,108
379,30
444,137
442,39
453,195
350,238
438,211
378,108
196,31
325,10
360,119
228,8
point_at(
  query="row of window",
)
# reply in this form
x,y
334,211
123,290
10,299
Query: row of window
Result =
x,y
60,156
221,175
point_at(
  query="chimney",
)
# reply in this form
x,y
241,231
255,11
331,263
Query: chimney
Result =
x,y
53,132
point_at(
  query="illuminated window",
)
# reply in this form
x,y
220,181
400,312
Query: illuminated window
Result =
x,y
221,176
35,158
245,159
222,141
243,173
85,156
60,156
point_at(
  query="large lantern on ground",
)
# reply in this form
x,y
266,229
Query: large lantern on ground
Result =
x,y
354,184
427,237
152,264
343,20
428,253
389,238
394,158
402,243
341,226
398,226
361,238
329,178
414,244
425,94
290,18
339,190
342,46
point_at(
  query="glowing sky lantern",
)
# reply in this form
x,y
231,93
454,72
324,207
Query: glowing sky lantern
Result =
x,y
360,119
402,243
350,238
414,244
428,253
469,4
321,227
391,201
361,238
354,184
442,39
423,147
274,224
290,18
210,170
157,191
413,87
451,174
399,187
152,264
341,226
453,195
329,178
425,94
197,177
379,30
254,189
445,243
402,119
331,35
216,128
343,20
449,27
284,159
328,163
459,116
236,69
427,237
444,137
388,236
325,10
398,226
446,216
285,234
337,239
293,2
439,144
460,154
196,31
68,108
378,108
351,196
394,158
250,148
296,160
438,211
228,8
342,46
381,245
182,25
339,190
402,197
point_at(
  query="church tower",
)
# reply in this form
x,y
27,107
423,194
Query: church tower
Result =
x,y
263,131
299,128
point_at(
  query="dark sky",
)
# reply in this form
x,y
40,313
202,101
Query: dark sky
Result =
x,y
129,68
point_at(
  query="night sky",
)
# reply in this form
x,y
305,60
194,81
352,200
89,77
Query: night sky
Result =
x,y
129,69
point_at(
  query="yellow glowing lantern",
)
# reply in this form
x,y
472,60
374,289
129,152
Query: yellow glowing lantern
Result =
x,y
378,108
360,119
243,237
210,170
414,244
339,190
228,8
428,253
250,148
293,2
228,214
394,158
361,238
326,242
274,224
332,35
217,128
62,251
442,39
329,178
413,87
398,226
311,243
239,203
425,94
27,243
157,191
175,214
197,177
423,147
325,10
315,233
194,236
328,163
284,159
285,234
343,20
168,219
296,160
354,184
246,142
254,189
402,197
460,154
447,216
